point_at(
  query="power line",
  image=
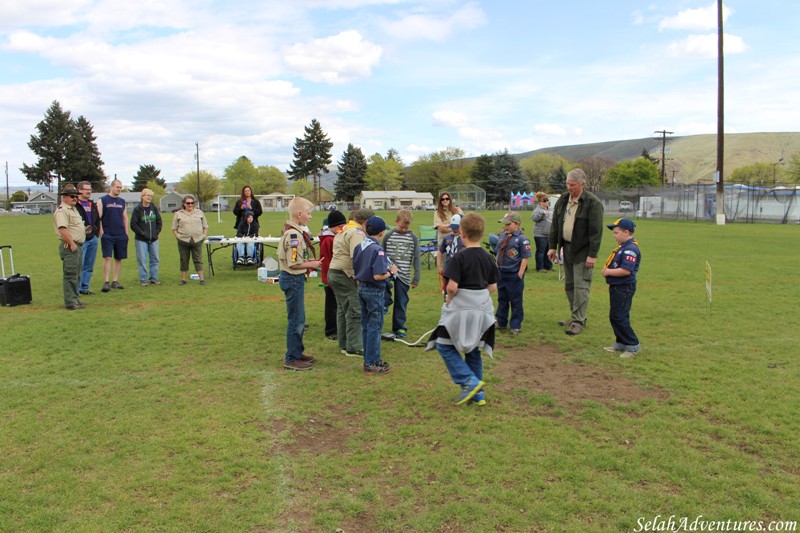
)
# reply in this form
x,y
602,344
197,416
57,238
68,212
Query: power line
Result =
x,y
663,134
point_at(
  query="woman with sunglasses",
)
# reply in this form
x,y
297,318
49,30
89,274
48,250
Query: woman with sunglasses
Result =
x,y
444,212
190,228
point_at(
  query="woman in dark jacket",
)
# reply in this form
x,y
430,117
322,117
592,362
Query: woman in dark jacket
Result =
x,y
246,203
146,225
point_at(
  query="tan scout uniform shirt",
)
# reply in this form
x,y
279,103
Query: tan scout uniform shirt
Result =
x,y
344,246
569,218
66,216
292,250
190,225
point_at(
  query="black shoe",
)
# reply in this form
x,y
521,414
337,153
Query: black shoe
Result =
x,y
86,292
116,285
106,287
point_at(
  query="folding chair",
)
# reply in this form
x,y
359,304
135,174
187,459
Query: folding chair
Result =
x,y
428,244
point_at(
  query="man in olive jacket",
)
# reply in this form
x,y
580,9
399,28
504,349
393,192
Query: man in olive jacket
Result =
x,y
577,230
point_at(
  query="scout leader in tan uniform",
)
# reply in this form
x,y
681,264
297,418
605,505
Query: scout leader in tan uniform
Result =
x,y
296,258
71,232
343,283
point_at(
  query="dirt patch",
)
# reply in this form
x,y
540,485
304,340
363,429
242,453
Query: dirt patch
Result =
x,y
544,369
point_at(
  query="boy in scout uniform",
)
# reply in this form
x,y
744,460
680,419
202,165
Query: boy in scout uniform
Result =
x,y
295,259
513,250
71,232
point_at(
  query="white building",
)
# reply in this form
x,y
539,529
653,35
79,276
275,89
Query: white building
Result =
x,y
381,200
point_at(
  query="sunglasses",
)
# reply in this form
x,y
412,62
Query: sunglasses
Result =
x,y
445,198
189,203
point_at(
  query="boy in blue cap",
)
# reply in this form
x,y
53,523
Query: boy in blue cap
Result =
x,y
371,270
620,273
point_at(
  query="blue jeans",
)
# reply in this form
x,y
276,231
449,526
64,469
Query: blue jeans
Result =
x,y
246,250
371,299
461,370
145,250
400,304
509,295
89,254
293,287
619,314
542,261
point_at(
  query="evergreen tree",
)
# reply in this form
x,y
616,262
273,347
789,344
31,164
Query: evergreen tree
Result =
x,y
145,174
482,171
558,180
394,155
506,177
351,175
66,150
312,155
89,165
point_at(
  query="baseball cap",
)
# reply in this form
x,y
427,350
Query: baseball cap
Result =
x,y
509,218
624,223
455,222
375,225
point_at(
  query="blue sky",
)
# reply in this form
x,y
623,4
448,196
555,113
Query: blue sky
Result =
x,y
243,77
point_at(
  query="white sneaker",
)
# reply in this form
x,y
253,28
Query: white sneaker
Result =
x,y
240,261
612,349
627,355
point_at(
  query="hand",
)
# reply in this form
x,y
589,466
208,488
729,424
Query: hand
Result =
x,y
551,254
590,262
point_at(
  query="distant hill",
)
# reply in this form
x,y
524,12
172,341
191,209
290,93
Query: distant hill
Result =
x,y
692,157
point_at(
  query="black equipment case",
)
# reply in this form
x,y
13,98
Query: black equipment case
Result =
x,y
16,288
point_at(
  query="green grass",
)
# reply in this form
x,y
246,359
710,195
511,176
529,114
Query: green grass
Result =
x,y
166,408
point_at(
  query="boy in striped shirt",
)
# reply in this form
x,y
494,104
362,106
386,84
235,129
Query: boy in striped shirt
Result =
x,y
402,248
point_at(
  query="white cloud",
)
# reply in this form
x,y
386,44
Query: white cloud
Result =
x,y
450,119
701,18
431,27
553,130
706,46
344,57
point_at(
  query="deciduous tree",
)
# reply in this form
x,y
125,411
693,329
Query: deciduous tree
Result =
x,y
238,174
756,173
270,180
595,168
631,174
542,169
383,174
438,170
209,185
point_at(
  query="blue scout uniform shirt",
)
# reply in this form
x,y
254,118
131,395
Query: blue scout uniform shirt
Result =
x,y
627,256
511,250
451,244
370,259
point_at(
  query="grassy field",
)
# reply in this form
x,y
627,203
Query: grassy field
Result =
x,y
166,408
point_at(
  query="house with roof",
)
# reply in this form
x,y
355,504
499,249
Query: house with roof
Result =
x,y
378,200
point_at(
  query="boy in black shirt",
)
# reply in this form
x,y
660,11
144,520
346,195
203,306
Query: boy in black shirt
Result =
x,y
467,322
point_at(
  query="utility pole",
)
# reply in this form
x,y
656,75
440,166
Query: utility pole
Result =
x,y
8,191
197,156
720,120
663,134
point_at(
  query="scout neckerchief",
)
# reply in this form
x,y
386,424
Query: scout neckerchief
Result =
x,y
503,247
614,252
306,238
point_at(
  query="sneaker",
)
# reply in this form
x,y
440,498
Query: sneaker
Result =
x,y
81,304
297,365
332,337
354,353
380,368
307,358
479,399
183,282
515,331
202,282
401,334
565,322
86,292
574,329
155,282
612,349
116,285
106,287
251,262
74,307
240,261
469,391
627,354
144,283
